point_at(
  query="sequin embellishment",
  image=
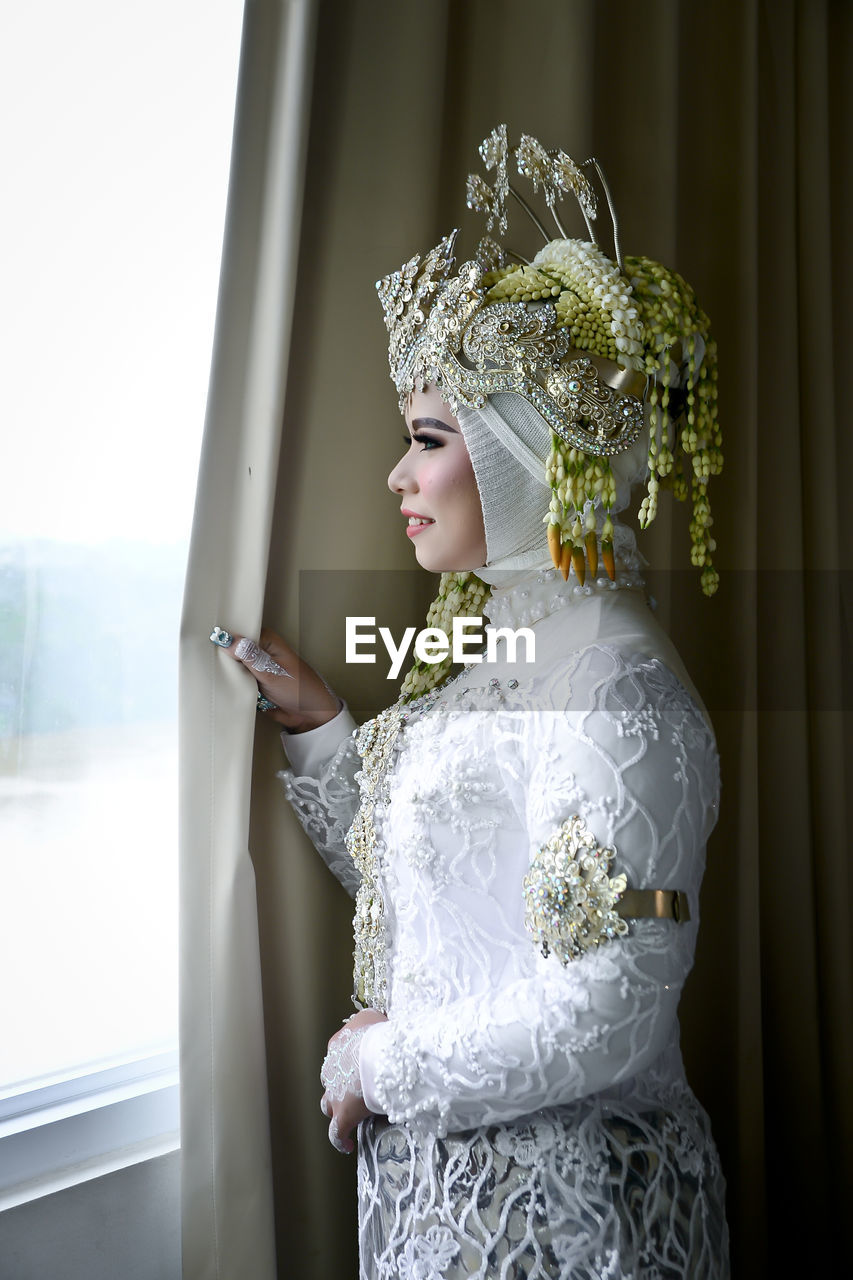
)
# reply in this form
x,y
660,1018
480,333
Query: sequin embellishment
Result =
x,y
375,744
569,896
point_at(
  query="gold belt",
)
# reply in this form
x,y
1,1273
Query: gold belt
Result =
x,y
663,904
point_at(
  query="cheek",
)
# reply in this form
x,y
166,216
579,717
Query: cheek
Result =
x,y
451,478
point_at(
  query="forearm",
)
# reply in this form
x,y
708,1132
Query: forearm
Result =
x,y
538,1042
322,789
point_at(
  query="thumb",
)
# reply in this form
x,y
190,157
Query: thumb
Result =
x,y
250,653
247,652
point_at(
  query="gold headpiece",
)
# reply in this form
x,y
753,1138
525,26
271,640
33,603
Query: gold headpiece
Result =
x,y
443,332
588,342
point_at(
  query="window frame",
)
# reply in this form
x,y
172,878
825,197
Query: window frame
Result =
x,y
83,1125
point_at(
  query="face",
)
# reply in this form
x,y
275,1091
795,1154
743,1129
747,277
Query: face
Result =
x,y
438,491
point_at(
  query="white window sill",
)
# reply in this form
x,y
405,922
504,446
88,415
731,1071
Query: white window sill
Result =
x,y
73,1130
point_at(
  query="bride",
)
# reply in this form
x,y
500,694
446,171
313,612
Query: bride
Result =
x,y
525,839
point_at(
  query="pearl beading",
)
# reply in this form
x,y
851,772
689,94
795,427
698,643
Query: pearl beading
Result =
x,y
536,598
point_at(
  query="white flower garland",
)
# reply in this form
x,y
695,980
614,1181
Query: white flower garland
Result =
x,y
591,274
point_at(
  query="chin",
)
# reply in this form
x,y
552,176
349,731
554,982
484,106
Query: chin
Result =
x,y
448,564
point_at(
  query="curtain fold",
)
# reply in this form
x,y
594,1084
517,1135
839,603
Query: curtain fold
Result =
x,y
722,130
227,1192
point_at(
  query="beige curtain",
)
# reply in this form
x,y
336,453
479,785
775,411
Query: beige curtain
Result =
x,y
722,127
227,1190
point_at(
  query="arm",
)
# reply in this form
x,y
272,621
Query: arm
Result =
x,y
323,791
317,739
643,785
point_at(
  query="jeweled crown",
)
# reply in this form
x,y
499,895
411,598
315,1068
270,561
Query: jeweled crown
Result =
x,y
589,342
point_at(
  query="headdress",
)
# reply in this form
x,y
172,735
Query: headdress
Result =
x,y
598,348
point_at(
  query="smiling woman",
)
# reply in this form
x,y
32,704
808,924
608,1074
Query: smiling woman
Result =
x,y
436,481
525,842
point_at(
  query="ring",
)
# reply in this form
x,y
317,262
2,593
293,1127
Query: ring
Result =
x,y
264,704
221,637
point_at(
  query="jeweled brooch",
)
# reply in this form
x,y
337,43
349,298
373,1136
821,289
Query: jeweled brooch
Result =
x,y
569,896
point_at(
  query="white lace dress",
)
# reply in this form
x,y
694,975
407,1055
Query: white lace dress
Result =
x,y
532,1118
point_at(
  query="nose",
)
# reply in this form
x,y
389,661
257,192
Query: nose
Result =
x,y
400,479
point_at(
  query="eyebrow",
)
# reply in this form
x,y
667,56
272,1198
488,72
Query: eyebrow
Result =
x,y
433,422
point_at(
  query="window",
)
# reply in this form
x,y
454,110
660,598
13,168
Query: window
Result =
x,y
118,128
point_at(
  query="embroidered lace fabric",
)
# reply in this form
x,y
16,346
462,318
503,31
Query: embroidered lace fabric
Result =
x,y
339,1074
538,1119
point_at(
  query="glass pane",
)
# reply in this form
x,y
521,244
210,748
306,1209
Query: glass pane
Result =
x,y
116,124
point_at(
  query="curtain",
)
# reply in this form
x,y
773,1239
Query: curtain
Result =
x,y
721,127
226,1189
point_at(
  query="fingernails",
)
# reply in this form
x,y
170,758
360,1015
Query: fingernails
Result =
x,y
335,1139
325,1108
221,637
250,652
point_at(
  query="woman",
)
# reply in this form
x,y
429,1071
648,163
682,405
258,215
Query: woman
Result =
x,y
526,840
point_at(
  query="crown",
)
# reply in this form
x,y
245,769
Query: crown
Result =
x,y
589,341
441,331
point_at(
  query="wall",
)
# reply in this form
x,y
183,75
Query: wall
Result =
x,y
122,1226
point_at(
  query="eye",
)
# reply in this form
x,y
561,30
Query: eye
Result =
x,y
428,442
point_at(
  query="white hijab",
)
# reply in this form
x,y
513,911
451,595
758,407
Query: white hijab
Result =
x,y
514,493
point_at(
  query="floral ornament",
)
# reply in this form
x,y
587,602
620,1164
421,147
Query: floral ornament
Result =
x,y
570,178
558,175
569,897
680,360
483,198
460,595
534,163
480,197
638,323
489,254
493,155
428,1256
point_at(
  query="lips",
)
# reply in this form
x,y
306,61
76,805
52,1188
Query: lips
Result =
x,y
417,523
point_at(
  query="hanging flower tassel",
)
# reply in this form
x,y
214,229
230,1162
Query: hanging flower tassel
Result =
x,y
554,541
607,556
608,560
578,561
591,541
460,595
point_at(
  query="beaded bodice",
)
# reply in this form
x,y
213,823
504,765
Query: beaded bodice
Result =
x,y
550,1073
479,776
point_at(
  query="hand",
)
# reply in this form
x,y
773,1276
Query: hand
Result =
x,y
303,699
343,1101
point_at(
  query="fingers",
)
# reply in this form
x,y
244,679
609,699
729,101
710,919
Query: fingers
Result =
x,y
252,655
345,1115
290,691
249,652
345,1145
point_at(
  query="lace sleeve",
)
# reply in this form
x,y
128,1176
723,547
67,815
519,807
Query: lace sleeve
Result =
x,y
629,754
324,793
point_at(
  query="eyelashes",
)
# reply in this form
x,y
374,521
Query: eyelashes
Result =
x,y
427,441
